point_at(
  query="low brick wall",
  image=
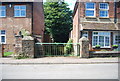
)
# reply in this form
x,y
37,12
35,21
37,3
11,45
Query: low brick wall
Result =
x,y
104,54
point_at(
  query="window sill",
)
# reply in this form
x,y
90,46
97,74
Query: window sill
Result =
x,y
101,47
103,17
19,16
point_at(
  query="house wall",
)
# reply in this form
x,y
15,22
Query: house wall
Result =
x,y
33,22
96,22
75,31
38,19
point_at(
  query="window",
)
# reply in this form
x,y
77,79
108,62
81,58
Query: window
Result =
x,y
103,12
117,39
90,9
85,34
2,36
2,11
101,38
20,11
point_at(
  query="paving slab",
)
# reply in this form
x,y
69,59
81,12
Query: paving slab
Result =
x,y
59,60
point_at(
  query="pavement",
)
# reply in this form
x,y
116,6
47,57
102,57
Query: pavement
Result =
x,y
59,60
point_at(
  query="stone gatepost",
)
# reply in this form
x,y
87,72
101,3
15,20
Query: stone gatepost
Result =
x,y
24,46
84,47
18,44
28,46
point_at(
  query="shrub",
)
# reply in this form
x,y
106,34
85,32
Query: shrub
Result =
x,y
97,46
21,55
115,46
69,47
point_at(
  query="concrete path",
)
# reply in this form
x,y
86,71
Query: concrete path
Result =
x,y
59,60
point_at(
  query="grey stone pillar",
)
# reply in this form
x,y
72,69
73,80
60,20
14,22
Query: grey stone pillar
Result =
x,y
28,46
84,47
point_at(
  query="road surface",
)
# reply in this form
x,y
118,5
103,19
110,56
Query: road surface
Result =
x,y
60,71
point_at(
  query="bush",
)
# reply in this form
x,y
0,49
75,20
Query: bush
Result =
x,y
115,46
97,46
68,49
21,55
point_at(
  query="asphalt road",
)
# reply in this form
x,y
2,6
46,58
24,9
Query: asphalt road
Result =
x,y
60,71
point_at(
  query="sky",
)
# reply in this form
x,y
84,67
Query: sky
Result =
x,y
71,3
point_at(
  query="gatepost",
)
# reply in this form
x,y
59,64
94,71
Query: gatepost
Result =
x,y
84,47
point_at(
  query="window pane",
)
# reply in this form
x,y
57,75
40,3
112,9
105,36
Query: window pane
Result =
x,y
2,39
90,5
17,13
103,13
2,32
101,40
23,7
103,5
16,7
89,12
23,13
2,11
107,41
95,40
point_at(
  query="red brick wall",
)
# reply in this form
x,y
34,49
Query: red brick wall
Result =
x,y
38,18
75,28
13,25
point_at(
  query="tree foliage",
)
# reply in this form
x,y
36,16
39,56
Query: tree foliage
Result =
x,y
58,20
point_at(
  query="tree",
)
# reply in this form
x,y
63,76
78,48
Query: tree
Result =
x,y
58,20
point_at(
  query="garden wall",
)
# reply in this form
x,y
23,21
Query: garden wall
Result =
x,y
104,54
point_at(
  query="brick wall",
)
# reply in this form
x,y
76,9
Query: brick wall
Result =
x,y
33,22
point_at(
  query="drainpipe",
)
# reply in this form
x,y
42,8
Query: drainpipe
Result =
x,y
115,12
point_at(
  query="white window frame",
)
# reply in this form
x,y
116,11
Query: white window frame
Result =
x,y
90,9
20,10
3,10
104,10
104,39
1,36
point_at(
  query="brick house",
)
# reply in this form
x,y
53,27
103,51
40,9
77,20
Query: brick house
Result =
x,y
17,15
98,21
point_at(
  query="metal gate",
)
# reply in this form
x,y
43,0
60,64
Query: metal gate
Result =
x,y
57,49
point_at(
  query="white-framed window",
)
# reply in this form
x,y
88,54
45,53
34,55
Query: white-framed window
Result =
x,y
101,38
116,39
103,9
20,11
90,9
2,37
2,11
85,34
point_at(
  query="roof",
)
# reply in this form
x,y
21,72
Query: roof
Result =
x,y
21,0
99,26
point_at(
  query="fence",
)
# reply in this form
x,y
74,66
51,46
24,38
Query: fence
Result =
x,y
56,49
